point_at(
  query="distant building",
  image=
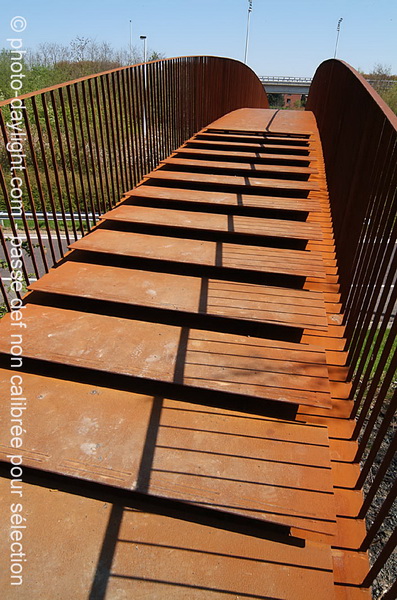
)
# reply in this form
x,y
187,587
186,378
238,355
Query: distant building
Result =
x,y
292,100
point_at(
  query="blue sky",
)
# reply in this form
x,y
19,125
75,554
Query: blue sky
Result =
x,y
287,37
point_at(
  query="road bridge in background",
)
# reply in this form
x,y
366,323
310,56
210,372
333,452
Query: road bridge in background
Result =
x,y
279,84
275,84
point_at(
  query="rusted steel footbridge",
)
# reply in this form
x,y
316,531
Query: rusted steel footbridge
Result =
x,y
197,364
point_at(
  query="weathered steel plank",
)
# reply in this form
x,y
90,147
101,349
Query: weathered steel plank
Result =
x,y
298,308
255,226
225,460
254,183
225,198
269,121
250,147
252,367
198,252
244,157
157,555
252,166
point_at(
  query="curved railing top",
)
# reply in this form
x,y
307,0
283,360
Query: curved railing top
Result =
x,y
359,136
193,58
331,68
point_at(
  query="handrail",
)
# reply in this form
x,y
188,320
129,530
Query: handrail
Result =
x,y
359,137
88,141
117,70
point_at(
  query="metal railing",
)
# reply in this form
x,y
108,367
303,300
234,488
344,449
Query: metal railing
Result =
x,y
84,143
5,221
359,137
285,79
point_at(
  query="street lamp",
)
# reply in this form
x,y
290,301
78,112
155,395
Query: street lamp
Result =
x,y
248,30
130,41
337,35
143,37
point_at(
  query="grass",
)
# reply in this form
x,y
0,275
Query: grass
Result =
x,y
380,352
31,224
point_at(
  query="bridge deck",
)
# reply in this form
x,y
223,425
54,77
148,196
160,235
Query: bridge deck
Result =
x,y
185,364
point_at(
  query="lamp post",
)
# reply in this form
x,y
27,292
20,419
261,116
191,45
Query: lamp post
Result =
x,y
143,37
130,41
248,30
337,35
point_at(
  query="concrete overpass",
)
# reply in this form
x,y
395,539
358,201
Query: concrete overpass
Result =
x,y
275,84
279,84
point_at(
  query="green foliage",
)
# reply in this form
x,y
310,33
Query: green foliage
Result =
x,y
390,97
276,100
379,75
5,90
52,64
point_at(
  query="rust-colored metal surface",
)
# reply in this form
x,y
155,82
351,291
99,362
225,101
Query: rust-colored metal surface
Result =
x,y
241,157
262,369
197,452
198,252
156,556
267,122
211,198
200,295
299,187
259,168
186,363
249,226
265,146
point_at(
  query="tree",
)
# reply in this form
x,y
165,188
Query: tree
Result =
x,y
275,100
80,48
52,63
380,78
379,75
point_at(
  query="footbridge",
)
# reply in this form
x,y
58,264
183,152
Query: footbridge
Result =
x,y
198,352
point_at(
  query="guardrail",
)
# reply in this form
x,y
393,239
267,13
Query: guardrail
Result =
x,y
285,79
359,137
58,216
86,142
